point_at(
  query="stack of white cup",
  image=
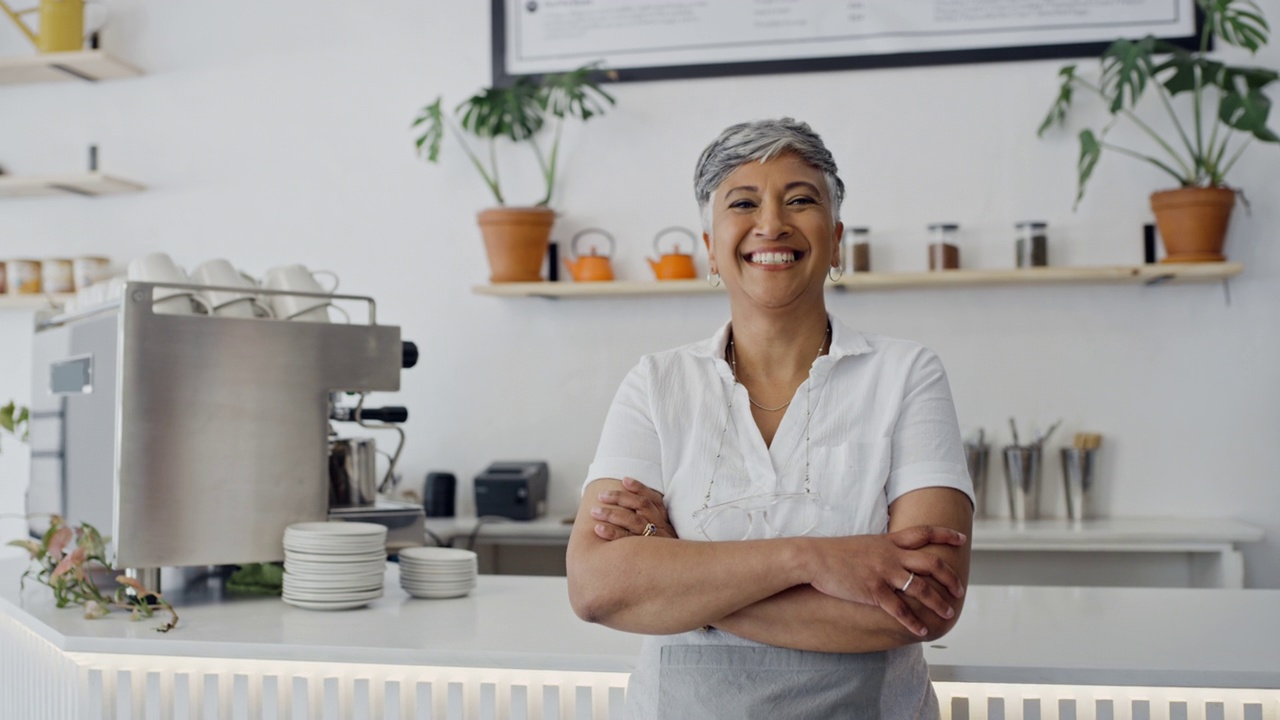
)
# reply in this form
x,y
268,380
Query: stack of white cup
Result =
x,y
237,295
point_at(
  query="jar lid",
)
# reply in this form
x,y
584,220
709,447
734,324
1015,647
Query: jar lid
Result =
x,y
1031,223
860,230
944,226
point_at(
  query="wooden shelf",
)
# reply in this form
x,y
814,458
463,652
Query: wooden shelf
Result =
x,y
32,302
87,65
1113,274
89,183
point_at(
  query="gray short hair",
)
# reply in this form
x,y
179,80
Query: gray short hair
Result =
x,y
762,140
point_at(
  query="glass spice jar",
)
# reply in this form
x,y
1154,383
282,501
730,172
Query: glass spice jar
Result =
x,y
1032,247
858,240
944,253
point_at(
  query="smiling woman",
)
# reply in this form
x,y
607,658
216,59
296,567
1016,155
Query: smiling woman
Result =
x,y
784,507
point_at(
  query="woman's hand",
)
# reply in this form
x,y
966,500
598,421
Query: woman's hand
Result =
x,y
874,569
626,512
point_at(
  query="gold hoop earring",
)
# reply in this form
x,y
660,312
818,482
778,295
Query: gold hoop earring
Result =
x,y
838,273
713,279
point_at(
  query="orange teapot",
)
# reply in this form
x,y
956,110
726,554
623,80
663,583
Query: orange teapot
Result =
x,y
675,265
593,267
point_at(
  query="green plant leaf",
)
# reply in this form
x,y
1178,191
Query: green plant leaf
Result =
x,y
1247,112
1126,67
1090,152
1058,113
574,94
7,416
512,112
1250,78
428,143
1185,68
1236,22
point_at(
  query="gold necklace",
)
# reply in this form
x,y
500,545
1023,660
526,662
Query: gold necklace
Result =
x,y
733,361
728,414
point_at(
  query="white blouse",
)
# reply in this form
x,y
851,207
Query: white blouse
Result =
x,y
874,421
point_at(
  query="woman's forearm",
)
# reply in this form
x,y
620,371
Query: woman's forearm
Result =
x,y
661,586
802,618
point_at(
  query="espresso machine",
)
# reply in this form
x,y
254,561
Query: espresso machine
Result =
x,y
197,439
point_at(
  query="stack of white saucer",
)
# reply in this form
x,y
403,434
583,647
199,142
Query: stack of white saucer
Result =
x,y
437,572
333,565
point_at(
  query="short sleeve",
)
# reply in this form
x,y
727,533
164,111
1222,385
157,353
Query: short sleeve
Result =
x,y
629,445
926,445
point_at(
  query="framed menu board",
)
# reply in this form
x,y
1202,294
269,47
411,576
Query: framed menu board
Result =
x,y
655,39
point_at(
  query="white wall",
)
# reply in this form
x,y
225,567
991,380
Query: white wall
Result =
x,y
278,132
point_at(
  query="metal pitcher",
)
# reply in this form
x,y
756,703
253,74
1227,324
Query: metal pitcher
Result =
x,y
353,473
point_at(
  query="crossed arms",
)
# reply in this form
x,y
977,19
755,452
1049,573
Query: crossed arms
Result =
x,y
824,594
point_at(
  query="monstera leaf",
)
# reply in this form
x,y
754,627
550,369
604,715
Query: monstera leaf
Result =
x,y
574,94
1058,113
1236,22
1126,67
1247,112
1090,152
513,112
428,142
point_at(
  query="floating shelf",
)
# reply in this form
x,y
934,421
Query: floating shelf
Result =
x,y
90,183
1113,274
87,65
32,302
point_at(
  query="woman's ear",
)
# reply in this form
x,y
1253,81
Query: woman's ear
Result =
x,y
711,256
835,246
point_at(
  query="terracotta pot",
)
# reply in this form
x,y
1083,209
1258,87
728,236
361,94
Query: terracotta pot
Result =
x,y
1193,222
516,240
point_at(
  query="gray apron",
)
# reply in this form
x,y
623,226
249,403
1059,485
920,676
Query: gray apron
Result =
x,y
702,682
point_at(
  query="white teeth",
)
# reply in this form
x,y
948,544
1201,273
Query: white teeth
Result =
x,y
773,258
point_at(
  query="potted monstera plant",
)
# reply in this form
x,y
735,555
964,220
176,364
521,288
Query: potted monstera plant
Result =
x,y
525,113
1216,111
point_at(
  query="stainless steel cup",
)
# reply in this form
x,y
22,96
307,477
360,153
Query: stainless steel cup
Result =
x,y
1077,479
1022,476
975,457
352,472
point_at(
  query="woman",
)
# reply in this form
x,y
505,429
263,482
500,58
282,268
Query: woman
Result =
x,y
784,507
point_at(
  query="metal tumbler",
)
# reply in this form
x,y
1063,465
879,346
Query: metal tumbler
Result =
x,y
975,457
1022,476
1077,479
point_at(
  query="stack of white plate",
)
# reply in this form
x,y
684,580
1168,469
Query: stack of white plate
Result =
x,y
333,565
437,572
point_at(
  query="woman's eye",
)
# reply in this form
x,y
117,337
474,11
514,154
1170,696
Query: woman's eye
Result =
x,y
802,200
741,204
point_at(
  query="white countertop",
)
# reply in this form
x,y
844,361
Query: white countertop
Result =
x,y
988,533
1085,636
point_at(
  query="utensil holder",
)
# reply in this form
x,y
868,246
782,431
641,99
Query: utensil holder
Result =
x,y
976,457
1022,476
1077,481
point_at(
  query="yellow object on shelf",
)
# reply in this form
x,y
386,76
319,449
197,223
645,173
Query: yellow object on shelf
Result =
x,y
61,24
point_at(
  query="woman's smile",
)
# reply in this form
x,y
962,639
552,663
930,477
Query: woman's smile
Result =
x,y
775,219
774,259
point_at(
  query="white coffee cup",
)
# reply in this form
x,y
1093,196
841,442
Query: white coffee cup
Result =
x,y
221,273
160,268
297,278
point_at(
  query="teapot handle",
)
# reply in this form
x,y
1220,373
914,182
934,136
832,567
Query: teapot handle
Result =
x,y
676,229
573,244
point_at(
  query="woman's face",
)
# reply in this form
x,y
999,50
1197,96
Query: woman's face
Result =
x,y
772,238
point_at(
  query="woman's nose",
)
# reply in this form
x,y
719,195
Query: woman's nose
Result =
x,y
771,221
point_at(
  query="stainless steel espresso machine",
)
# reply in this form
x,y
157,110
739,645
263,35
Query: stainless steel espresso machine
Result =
x,y
197,439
